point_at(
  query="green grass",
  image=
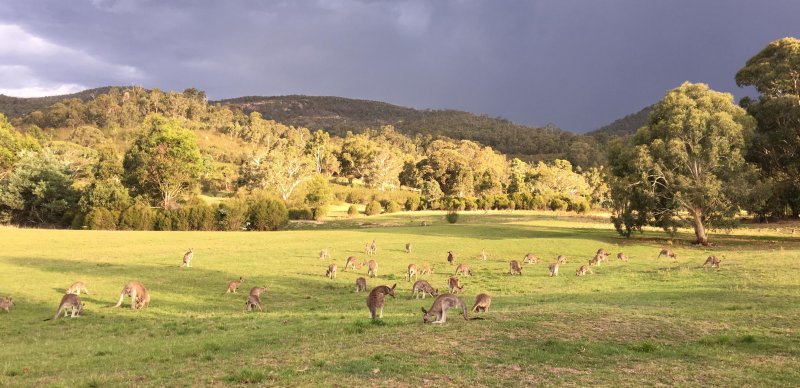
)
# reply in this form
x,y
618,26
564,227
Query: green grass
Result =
x,y
645,322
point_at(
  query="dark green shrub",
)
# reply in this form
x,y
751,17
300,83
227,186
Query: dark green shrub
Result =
x,y
470,203
352,210
301,213
201,217
136,217
452,216
232,215
180,218
538,203
162,221
268,214
557,204
485,202
501,202
101,219
393,207
373,208
579,206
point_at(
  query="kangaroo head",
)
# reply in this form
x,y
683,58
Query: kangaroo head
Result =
x,y
427,316
391,290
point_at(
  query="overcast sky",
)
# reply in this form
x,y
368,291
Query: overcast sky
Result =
x,y
577,64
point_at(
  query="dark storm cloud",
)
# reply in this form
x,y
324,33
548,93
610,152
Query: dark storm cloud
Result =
x,y
578,64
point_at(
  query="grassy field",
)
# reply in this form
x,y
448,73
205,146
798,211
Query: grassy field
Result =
x,y
645,322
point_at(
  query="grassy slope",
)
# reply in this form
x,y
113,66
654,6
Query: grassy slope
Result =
x,y
646,322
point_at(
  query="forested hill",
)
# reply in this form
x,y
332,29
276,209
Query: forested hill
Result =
x,y
16,106
338,115
621,127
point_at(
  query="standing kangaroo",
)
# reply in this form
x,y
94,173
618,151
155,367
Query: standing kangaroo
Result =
x,y
253,301
514,268
450,257
234,285
602,252
257,291
412,271
408,247
69,301
361,284
5,303
482,303
553,269
372,268
454,285
140,298
373,248
668,253
323,254
76,288
187,258
423,287
483,254
331,272
438,311
561,259
375,300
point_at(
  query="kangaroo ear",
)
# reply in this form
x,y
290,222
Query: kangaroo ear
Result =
x,y
423,310
394,285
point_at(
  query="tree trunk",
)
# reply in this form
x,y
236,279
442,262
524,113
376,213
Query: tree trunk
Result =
x,y
699,229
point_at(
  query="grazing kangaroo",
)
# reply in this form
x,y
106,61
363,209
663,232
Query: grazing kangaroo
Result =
x,y
668,253
76,288
352,263
714,261
483,254
408,247
361,284
561,259
463,269
450,257
595,260
253,301
622,256
234,285
426,269
553,269
602,252
375,300
482,303
530,258
140,298
71,301
454,285
323,254
423,287
257,291
583,270
5,303
331,272
187,258
412,271
372,268
514,268
438,311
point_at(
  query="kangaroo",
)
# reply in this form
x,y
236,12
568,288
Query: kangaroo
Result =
x,y
426,269
622,256
352,263
372,268
595,260
76,288
514,268
483,254
450,257
373,248
331,272
366,249
438,311
257,291
530,258
668,253
602,252
412,271
583,270
323,254
234,285
464,270
140,298
553,269
454,285
561,259
376,298
408,247
423,287
482,303
714,261
187,258
361,284
71,301
253,301
5,303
